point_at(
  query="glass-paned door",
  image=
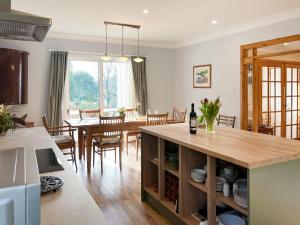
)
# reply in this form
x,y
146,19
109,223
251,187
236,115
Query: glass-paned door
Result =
x,y
280,98
271,97
292,101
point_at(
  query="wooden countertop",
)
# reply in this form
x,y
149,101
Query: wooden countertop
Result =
x,y
72,204
244,148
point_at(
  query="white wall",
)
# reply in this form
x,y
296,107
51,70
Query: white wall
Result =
x,y
159,70
169,72
224,55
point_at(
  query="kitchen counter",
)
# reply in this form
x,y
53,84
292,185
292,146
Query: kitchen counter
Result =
x,y
244,148
269,164
72,204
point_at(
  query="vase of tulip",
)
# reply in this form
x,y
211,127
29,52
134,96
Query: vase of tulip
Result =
x,y
210,110
122,111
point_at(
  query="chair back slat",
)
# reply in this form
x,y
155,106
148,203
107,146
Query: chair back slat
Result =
x,y
179,114
89,113
226,120
129,112
157,119
111,126
45,121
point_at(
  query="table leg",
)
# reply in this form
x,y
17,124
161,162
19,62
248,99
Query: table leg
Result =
x,y
89,136
80,142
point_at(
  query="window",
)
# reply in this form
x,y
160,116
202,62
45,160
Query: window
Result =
x,y
92,83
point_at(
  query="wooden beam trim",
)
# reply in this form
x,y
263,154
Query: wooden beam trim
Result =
x,y
272,42
291,52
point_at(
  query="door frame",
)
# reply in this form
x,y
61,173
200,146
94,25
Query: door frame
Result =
x,y
248,56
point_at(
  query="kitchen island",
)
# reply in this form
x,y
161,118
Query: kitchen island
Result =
x,y
269,164
71,204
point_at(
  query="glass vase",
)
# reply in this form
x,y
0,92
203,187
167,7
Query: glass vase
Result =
x,y
210,127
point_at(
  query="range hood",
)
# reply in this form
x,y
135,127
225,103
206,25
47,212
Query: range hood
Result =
x,y
18,25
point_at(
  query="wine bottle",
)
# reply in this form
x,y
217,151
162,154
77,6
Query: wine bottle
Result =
x,y
193,121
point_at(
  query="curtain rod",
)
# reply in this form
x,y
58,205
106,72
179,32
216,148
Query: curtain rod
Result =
x,y
91,53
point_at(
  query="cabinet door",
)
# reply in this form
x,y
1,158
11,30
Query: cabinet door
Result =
x,y
13,76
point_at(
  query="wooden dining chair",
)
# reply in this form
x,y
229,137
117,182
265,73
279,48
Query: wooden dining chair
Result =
x,y
132,133
226,120
110,137
89,113
179,115
156,119
129,112
153,120
63,137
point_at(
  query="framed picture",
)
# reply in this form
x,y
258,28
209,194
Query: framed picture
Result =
x,y
202,76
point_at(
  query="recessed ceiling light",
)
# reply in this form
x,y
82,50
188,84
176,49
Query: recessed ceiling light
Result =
x,y
214,22
145,11
285,43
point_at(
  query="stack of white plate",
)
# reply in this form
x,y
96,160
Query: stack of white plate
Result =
x,y
220,184
241,197
229,177
242,182
228,219
198,175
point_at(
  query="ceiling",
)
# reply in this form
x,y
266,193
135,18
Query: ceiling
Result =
x,y
168,23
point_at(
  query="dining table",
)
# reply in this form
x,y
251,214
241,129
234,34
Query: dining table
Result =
x,y
90,127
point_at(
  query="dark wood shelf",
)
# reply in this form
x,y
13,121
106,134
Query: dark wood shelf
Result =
x,y
200,186
230,202
170,205
151,192
154,161
174,172
191,220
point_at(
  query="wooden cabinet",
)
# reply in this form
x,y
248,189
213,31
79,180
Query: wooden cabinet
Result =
x,y
13,76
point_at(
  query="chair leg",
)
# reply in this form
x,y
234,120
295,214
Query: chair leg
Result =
x,y
101,151
127,143
94,154
83,148
137,148
74,156
120,155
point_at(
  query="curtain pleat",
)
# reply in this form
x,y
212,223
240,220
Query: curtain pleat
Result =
x,y
140,83
57,77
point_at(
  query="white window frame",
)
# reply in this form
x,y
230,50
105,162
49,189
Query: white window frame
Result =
x,y
87,58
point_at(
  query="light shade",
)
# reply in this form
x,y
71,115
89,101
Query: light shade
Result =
x,y
123,58
105,57
138,59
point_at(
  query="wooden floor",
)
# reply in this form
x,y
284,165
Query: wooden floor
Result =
x,y
118,194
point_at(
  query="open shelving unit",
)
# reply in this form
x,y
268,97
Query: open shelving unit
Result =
x,y
192,196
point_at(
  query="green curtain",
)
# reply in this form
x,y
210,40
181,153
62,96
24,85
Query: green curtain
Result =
x,y
57,77
140,83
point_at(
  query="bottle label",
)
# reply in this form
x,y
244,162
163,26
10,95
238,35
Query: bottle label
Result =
x,y
193,122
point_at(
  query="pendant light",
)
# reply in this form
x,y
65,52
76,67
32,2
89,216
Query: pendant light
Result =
x,y
106,57
138,59
123,58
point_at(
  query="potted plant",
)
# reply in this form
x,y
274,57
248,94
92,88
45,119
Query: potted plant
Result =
x,y
6,121
210,110
122,111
